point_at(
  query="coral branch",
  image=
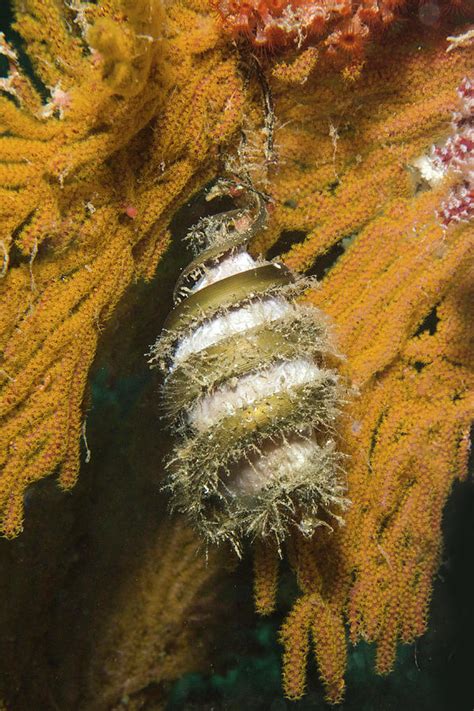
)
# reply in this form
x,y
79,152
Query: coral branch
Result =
x,y
160,623
407,432
112,69
266,577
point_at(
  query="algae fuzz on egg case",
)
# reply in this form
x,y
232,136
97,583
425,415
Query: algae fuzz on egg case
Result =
x,y
247,389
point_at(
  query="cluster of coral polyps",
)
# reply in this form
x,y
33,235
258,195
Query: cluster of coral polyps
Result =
x,y
343,24
457,155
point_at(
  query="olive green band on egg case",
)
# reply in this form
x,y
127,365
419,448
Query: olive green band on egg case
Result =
x,y
162,351
199,461
230,358
197,267
235,356
228,292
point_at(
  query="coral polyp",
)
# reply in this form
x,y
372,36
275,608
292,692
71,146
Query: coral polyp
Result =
x,y
341,27
275,23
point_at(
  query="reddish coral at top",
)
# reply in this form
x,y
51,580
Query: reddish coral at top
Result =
x,y
341,26
285,23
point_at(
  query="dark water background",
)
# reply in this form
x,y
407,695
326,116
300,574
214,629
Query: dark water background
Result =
x,y
436,674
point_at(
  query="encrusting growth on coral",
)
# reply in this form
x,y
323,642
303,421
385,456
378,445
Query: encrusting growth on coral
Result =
x,y
454,158
89,180
457,157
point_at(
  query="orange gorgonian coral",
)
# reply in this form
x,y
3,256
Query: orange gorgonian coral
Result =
x,y
139,103
399,298
142,97
161,623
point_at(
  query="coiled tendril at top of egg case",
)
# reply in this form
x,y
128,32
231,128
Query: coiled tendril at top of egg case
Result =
x,y
247,390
